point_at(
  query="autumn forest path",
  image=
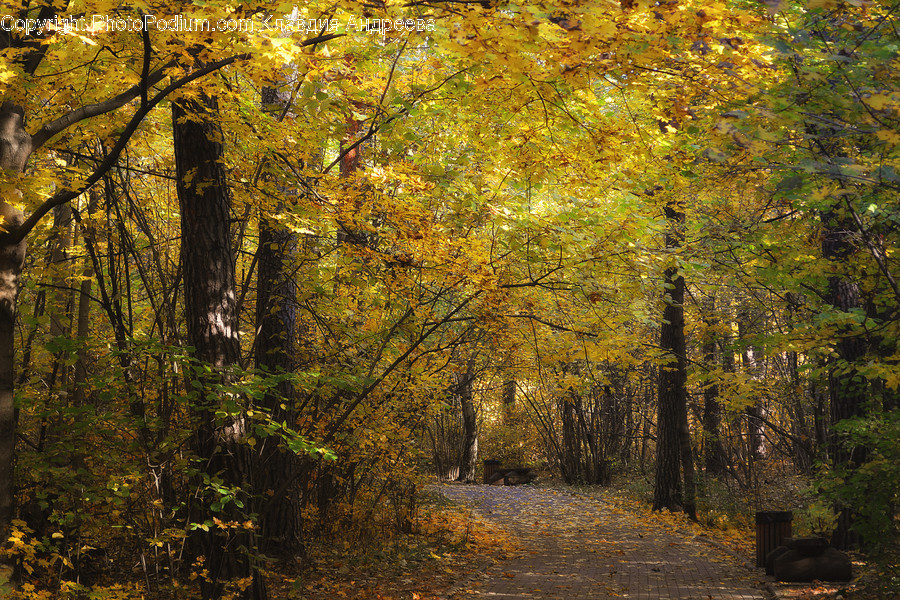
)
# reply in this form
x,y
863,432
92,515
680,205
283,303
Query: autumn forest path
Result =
x,y
578,546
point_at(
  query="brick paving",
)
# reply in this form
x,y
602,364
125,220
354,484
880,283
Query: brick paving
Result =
x,y
574,546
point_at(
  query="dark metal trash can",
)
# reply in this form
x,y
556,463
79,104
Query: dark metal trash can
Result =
x,y
771,528
491,466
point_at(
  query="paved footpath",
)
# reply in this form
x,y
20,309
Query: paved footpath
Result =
x,y
574,546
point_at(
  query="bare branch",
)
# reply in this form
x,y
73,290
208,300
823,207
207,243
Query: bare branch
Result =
x,y
61,197
376,127
49,130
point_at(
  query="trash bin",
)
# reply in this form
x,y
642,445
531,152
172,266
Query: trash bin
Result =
x,y
771,528
491,466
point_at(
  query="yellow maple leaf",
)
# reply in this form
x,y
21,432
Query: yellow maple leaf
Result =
x,y
881,101
888,135
826,4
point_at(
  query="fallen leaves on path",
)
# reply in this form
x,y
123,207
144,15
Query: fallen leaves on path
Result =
x,y
450,543
584,537
458,544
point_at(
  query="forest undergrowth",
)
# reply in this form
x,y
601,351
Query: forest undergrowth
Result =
x,y
446,544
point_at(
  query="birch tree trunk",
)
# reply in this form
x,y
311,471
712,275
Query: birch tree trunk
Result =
x,y
15,148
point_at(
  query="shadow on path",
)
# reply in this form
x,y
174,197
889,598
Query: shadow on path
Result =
x,y
575,546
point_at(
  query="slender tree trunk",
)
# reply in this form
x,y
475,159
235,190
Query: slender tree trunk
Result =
x,y
848,391
509,399
802,430
11,261
84,314
59,300
667,486
59,310
687,462
212,329
802,437
649,394
755,434
596,467
626,451
350,165
571,445
713,450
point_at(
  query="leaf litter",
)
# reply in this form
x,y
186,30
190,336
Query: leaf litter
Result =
x,y
468,544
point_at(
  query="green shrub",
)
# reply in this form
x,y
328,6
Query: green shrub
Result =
x,y
870,489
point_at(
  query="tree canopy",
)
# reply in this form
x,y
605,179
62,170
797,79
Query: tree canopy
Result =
x,y
263,265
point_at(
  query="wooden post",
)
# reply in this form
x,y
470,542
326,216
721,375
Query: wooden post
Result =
x,y
490,467
771,528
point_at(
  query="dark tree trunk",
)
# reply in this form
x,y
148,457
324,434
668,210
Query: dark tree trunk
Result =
x,y
210,302
509,399
800,430
713,450
628,441
687,460
847,388
667,485
509,392
571,443
469,455
212,329
649,387
276,321
596,467
673,444
84,313
755,433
